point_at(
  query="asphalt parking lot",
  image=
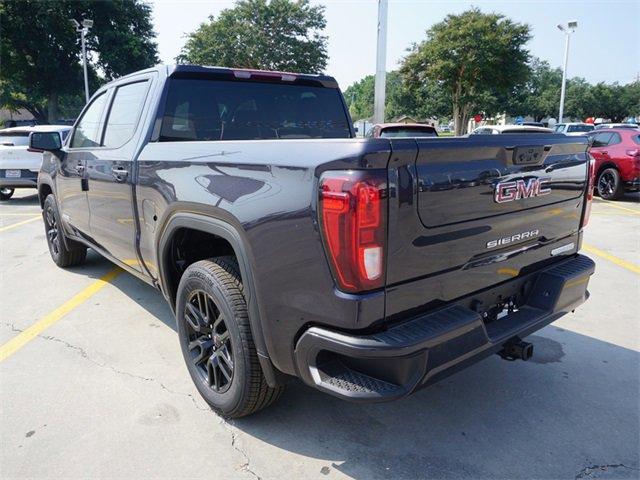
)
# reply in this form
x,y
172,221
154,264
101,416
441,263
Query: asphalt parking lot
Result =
x,y
99,388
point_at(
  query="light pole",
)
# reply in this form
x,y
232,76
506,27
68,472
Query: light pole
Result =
x,y
567,29
381,64
82,30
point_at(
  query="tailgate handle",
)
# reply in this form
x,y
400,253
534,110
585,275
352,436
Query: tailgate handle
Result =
x,y
528,154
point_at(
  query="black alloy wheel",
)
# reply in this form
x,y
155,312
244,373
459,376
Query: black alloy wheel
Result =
x,y
209,341
6,193
610,185
51,229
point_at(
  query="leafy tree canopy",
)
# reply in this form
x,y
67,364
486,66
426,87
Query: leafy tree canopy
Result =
x,y
479,58
428,101
41,54
270,35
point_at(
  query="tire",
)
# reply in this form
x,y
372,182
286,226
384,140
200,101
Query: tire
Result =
x,y
6,193
64,251
216,340
610,184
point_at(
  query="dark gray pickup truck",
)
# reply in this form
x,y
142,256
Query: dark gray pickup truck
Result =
x,y
288,248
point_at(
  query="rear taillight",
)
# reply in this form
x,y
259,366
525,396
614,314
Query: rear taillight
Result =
x,y
353,219
589,196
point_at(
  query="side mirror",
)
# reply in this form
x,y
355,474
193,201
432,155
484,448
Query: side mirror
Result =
x,y
45,141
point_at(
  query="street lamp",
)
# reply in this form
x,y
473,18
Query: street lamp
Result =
x,y
567,29
83,29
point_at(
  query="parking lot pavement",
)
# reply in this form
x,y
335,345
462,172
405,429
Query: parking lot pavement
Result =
x,y
102,390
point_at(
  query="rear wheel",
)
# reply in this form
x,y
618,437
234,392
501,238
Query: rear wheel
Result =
x,y
64,251
6,193
216,339
610,184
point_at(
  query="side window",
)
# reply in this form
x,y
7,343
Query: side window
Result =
x,y
615,139
87,133
123,115
601,139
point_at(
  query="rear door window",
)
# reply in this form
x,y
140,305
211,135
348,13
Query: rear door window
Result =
x,y
615,139
601,139
124,113
198,110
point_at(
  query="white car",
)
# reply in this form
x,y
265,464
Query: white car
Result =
x,y
19,167
574,129
499,129
616,125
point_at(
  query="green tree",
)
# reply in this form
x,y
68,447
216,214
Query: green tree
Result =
x,y
580,99
425,102
41,55
478,58
540,95
270,35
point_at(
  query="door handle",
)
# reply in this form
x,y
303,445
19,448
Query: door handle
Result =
x,y
120,173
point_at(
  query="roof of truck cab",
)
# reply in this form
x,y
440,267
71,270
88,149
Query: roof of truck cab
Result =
x,y
183,70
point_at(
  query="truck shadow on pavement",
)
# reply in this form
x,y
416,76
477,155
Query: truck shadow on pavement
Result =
x,y
570,412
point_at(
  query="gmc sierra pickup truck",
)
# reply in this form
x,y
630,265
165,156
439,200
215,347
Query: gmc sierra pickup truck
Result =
x,y
368,268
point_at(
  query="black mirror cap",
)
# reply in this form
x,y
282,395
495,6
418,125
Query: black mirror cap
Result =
x,y
45,141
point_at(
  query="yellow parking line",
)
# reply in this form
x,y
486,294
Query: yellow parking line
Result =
x,y
3,214
613,205
612,258
19,341
17,224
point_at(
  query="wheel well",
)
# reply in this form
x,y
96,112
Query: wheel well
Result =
x,y
603,167
43,191
187,246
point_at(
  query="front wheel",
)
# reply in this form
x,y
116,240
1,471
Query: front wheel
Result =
x,y
610,185
216,339
64,251
6,193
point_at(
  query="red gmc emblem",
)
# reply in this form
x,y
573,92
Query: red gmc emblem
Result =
x,y
517,189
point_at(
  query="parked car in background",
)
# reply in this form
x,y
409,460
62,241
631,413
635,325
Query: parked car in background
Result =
x,y
532,124
402,130
573,128
499,129
19,166
616,125
617,155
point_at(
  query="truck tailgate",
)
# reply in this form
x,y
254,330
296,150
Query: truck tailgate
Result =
x,y
469,213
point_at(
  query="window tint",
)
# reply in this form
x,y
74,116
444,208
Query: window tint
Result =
x,y
636,139
400,132
615,139
559,127
580,128
124,113
87,133
234,110
601,139
14,139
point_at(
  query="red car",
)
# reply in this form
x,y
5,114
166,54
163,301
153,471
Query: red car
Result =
x,y
617,154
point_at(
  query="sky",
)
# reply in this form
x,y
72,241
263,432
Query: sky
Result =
x,y
604,48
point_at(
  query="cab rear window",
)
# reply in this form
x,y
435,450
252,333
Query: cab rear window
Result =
x,y
198,110
399,132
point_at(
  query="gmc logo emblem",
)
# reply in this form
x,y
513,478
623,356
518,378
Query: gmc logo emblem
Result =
x,y
510,191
